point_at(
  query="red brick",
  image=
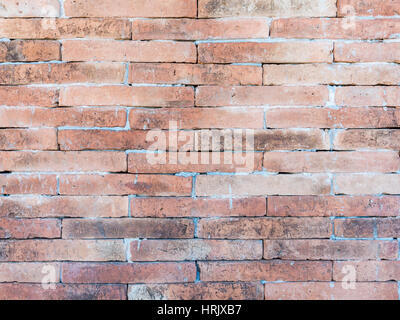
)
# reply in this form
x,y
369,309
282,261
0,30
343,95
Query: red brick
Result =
x,y
28,139
11,291
368,8
127,228
32,8
200,162
388,228
29,272
128,8
125,184
330,291
197,291
28,96
62,161
367,183
28,184
265,271
266,52
47,207
326,206
367,139
124,140
127,96
264,228
330,249
65,28
197,118
348,28
29,228
18,117
261,96
337,74
368,96
189,207
367,52
195,74
58,250
354,228
331,162
21,74
260,185
194,249
271,8
26,50
367,270
128,273
135,51
354,117
201,29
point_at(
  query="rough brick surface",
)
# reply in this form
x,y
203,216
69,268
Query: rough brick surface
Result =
x,y
199,149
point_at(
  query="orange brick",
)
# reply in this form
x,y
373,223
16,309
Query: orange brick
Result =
x,y
260,185
353,117
11,291
367,139
266,271
57,250
354,228
330,291
28,139
33,8
199,29
349,28
127,228
128,273
197,291
21,74
122,140
195,74
48,207
272,8
49,28
28,96
28,272
367,183
267,52
261,96
29,50
368,96
189,207
135,51
195,249
62,161
127,96
125,184
173,162
18,117
337,74
264,228
127,8
367,270
332,162
325,206
28,184
368,8
367,52
29,228
197,118
330,249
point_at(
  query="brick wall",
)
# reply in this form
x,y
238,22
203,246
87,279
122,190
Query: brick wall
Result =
x,y
210,149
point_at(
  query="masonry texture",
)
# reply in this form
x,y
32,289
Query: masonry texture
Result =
x,y
89,209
